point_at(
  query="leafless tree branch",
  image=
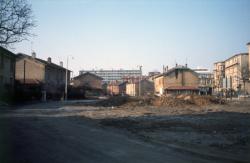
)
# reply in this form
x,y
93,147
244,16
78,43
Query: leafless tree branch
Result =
x,y
16,21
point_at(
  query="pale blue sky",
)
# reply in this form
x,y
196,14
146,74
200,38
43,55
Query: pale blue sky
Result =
x,y
126,33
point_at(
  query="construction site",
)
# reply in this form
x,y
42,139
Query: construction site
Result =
x,y
184,128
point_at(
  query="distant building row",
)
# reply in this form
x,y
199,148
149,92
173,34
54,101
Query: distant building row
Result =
x,y
179,79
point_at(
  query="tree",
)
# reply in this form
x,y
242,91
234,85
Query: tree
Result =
x,y
16,21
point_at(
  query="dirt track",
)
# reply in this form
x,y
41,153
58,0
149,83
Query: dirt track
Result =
x,y
74,133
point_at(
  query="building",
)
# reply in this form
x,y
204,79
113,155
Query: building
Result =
x,y
116,88
205,80
38,78
7,74
236,70
152,75
179,79
219,75
144,87
114,75
90,82
233,73
87,80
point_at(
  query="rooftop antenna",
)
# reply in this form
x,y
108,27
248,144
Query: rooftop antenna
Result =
x,y
186,62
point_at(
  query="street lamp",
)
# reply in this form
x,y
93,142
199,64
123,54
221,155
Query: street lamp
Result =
x,y
66,79
140,67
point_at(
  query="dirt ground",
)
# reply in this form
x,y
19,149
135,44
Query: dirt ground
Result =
x,y
212,131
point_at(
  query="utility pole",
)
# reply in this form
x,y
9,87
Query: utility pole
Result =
x,y
140,67
66,80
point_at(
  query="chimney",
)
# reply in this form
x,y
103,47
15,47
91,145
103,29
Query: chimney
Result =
x,y
49,60
176,65
248,46
61,63
166,68
33,55
186,65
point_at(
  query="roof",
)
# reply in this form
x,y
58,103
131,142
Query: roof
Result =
x,y
8,52
176,68
182,88
88,73
236,55
41,61
219,62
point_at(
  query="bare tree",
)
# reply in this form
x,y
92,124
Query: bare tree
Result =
x,y
16,21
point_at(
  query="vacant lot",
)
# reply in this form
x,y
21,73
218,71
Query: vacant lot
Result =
x,y
132,132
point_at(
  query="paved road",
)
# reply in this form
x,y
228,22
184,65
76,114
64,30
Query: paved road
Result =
x,y
31,139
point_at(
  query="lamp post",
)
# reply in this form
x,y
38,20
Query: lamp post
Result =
x,y
140,67
66,79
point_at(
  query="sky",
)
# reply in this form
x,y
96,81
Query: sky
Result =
x,y
122,34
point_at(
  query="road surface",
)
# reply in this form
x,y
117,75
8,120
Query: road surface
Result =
x,y
39,137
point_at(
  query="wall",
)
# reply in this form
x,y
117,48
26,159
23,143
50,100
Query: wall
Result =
x,y
88,80
132,89
7,74
180,77
55,79
29,71
147,87
159,84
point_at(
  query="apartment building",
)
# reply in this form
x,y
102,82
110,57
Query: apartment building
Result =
x,y
7,73
236,70
114,75
233,73
219,75
205,77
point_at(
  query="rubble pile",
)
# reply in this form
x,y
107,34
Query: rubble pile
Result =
x,y
182,100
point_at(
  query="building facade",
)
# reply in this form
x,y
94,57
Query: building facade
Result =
x,y
87,80
233,73
179,79
116,88
143,88
236,71
219,75
7,74
44,77
114,75
206,79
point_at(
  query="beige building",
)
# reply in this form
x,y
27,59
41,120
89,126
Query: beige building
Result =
x,y
146,88
233,73
236,71
219,75
179,79
7,74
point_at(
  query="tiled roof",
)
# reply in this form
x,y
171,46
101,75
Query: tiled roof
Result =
x,y
88,73
179,67
41,61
